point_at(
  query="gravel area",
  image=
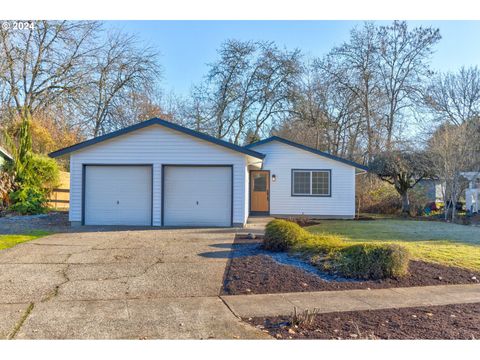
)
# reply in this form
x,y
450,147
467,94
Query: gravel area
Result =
x,y
252,270
433,322
20,224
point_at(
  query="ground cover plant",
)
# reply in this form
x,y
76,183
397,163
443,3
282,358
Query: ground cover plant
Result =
x,y
331,253
8,241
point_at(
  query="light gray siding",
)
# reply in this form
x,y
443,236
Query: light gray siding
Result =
x,y
158,145
282,158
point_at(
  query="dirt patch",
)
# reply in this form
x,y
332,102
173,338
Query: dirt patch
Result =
x,y
460,321
255,272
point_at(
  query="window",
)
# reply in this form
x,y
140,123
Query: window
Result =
x,y
311,182
260,182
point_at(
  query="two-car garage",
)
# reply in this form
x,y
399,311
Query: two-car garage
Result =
x,y
157,173
190,195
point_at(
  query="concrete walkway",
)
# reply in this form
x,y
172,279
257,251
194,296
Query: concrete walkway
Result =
x,y
245,306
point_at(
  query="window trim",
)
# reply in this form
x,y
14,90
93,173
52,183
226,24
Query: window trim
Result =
x,y
329,171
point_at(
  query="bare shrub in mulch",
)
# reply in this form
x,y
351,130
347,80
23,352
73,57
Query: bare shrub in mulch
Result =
x,y
258,273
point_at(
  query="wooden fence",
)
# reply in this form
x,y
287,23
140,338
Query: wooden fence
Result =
x,y
60,199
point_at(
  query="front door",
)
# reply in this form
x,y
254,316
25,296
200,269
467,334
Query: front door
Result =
x,y
259,191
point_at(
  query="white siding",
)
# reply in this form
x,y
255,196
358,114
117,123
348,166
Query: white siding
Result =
x,y
158,145
282,158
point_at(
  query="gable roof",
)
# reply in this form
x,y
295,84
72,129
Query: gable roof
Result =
x,y
309,149
156,121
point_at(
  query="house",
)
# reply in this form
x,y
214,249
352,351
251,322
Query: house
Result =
x,y
162,174
472,194
432,189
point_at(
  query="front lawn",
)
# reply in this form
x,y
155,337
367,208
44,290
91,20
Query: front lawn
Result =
x,y
444,243
8,241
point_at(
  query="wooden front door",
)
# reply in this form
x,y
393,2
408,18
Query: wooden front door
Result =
x,y
259,191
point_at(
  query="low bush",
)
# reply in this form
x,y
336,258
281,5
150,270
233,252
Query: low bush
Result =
x,y
29,200
319,244
330,253
372,261
281,235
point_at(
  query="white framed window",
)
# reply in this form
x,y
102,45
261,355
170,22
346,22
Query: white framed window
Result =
x,y
311,182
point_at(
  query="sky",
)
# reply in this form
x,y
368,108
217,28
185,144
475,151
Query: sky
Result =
x,y
186,47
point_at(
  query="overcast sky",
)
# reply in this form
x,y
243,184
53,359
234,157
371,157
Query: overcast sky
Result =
x,y
187,46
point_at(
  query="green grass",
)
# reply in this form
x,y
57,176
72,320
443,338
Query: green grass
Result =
x,y
8,241
448,244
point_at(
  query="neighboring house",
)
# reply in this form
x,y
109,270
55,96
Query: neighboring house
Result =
x,y
472,194
162,174
432,189
4,156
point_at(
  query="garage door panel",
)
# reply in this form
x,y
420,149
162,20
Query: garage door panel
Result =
x,y
197,196
118,195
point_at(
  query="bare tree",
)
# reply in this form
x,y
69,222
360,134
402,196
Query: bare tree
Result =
x,y
324,116
455,97
44,63
245,89
403,56
455,149
121,68
354,66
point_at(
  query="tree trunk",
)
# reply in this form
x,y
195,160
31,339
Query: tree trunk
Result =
x,y
405,204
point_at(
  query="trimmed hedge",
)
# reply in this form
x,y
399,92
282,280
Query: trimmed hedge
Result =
x,y
281,235
362,261
373,261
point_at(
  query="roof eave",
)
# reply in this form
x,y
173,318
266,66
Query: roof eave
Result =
x,y
309,149
155,121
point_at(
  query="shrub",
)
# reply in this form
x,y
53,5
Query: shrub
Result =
x,y
281,235
42,173
29,200
373,261
376,196
329,252
39,176
319,244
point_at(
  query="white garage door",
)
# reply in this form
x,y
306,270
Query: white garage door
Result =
x,y
118,195
197,196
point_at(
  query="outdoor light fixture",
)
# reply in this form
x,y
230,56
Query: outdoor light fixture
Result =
x,y
274,177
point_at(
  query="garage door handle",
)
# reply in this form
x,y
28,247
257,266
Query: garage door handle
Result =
x,y
118,202
197,202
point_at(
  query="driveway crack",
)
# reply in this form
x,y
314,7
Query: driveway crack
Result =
x,y
54,293
19,324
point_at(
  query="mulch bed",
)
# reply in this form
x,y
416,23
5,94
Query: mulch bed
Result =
x,y
260,274
460,321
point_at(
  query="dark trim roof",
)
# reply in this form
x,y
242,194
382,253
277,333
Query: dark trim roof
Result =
x,y
307,148
156,121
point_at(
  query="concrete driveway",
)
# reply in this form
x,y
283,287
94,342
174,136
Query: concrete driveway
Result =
x,y
119,284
